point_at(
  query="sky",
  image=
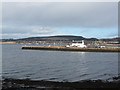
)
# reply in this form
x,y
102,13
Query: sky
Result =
x,y
36,19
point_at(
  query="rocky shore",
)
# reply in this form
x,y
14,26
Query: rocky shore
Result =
x,y
27,84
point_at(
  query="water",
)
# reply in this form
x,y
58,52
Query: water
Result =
x,y
57,65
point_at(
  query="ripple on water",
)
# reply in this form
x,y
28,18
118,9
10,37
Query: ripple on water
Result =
x,y
60,66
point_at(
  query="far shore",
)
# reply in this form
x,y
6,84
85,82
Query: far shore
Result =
x,y
7,42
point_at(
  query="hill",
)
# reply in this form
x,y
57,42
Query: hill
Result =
x,y
61,38
56,38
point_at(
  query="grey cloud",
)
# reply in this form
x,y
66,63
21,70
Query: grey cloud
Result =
x,y
27,30
92,14
37,19
15,29
42,30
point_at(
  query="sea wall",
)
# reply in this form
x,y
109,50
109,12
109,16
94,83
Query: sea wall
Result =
x,y
62,48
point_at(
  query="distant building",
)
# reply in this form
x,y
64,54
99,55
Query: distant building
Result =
x,y
77,44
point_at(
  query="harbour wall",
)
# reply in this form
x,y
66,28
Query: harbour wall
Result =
x,y
62,48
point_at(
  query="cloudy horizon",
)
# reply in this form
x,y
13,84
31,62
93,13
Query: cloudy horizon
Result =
x,y
33,19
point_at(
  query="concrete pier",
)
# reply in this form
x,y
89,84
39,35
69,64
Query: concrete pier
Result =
x,y
61,48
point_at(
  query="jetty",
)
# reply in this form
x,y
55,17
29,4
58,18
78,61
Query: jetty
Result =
x,y
63,48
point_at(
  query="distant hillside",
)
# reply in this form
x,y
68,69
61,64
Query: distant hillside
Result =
x,y
57,38
61,38
111,39
5,40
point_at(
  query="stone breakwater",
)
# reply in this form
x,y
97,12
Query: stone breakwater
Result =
x,y
62,48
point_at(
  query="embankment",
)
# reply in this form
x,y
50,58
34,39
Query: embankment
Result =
x,y
62,48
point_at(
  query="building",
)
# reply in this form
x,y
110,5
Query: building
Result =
x,y
77,44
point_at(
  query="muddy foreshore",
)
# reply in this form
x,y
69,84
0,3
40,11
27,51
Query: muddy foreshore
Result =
x,y
27,84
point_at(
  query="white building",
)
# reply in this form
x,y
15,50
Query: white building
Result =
x,y
77,44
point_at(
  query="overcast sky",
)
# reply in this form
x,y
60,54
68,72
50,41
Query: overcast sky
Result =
x,y
88,19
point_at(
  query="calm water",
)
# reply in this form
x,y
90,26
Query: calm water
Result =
x,y
57,65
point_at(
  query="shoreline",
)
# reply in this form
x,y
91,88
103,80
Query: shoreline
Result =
x,y
7,43
27,84
62,48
